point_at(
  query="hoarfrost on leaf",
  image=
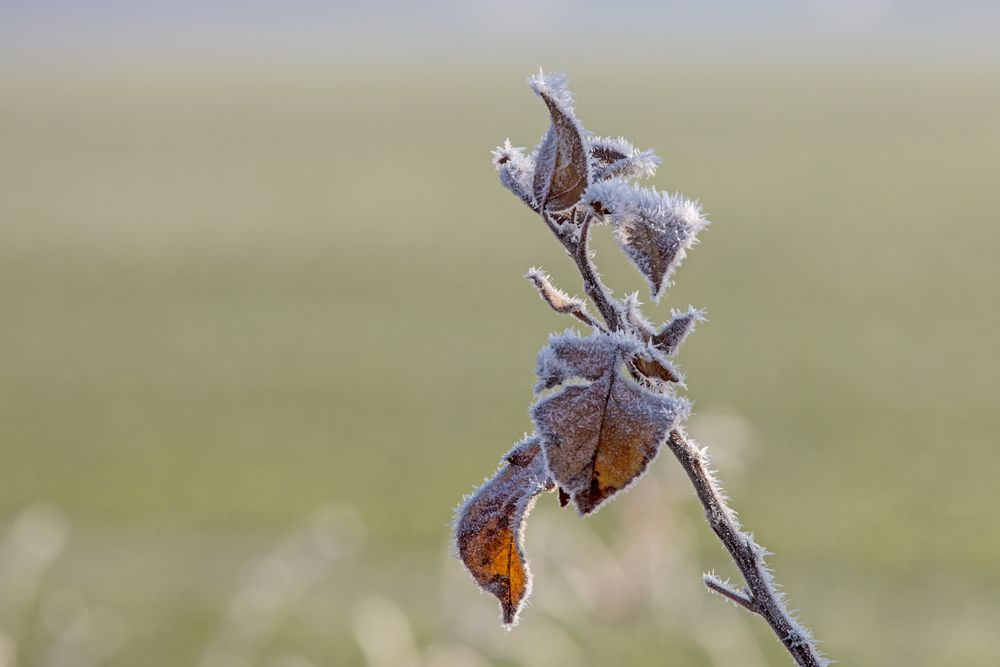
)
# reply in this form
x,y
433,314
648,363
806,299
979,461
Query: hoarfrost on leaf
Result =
x,y
567,356
553,86
562,165
599,435
619,158
655,229
489,530
669,338
517,172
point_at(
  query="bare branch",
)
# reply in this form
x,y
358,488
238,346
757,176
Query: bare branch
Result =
x,y
728,591
763,599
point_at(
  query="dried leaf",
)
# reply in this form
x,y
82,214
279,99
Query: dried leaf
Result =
x,y
653,364
567,356
674,333
619,158
517,172
655,229
489,531
600,432
562,167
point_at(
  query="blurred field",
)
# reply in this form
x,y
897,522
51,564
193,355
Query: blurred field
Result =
x,y
260,333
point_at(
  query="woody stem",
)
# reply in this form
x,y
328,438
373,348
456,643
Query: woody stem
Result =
x,y
760,595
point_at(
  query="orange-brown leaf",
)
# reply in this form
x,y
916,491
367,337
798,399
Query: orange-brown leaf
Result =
x,y
490,527
598,437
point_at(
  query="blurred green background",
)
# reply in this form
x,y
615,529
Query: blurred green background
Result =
x,y
262,325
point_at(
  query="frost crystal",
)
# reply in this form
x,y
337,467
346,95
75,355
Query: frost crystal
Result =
x,y
552,86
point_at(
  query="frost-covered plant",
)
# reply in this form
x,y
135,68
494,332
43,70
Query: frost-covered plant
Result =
x,y
605,402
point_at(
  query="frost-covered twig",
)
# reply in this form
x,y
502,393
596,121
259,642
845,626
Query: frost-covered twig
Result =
x,y
760,596
597,428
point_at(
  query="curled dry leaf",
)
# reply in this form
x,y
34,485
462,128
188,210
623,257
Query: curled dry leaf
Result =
x,y
674,333
562,168
568,355
655,229
652,363
619,158
489,531
600,431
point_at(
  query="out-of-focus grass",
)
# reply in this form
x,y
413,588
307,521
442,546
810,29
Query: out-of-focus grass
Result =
x,y
227,302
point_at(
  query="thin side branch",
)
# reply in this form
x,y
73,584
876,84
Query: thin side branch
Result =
x,y
726,590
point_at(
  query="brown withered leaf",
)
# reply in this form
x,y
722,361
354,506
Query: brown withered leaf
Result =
x,y
600,432
653,364
674,333
652,247
562,169
655,229
489,531
570,356
606,154
613,158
